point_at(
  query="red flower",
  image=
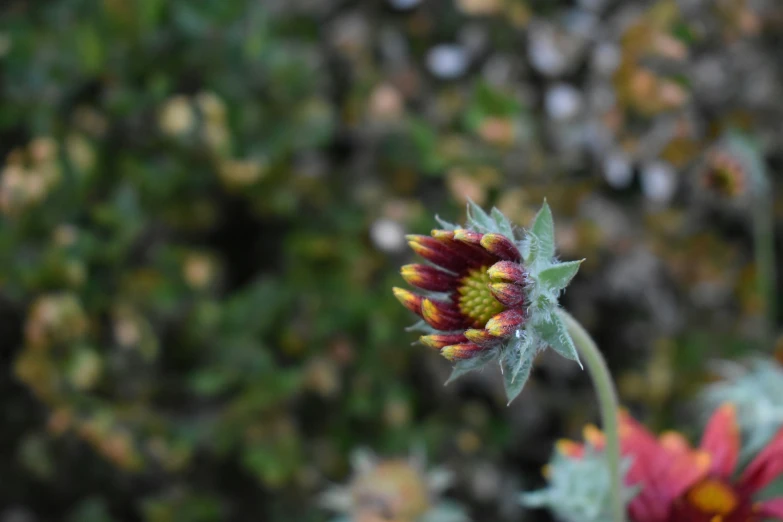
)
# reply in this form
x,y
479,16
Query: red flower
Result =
x,y
681,484
483,281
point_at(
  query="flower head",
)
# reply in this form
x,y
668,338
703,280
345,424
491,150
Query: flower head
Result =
x,y
392,490
487,295
757,391
679,483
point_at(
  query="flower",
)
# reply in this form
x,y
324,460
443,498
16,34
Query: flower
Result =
x,y
487,295
756,389
393,490
724,174
678,483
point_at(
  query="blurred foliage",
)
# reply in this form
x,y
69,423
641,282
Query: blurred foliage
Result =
x,y
203,208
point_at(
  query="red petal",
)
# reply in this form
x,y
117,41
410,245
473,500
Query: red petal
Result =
x,y
459,352
508,272
765,468
466,244
594,436
666,470
437,252
570,448
721,440
439,341
481,337
505,323
428,278
468,236
771,508
408,299
508,294
501,246
441,316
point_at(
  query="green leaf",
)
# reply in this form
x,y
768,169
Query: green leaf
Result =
x,y
530,249
468,365
518,359
553,331
558,276
445,224
515,380
503,224
544,230
480,219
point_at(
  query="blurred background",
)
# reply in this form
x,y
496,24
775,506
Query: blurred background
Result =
x,y
204,206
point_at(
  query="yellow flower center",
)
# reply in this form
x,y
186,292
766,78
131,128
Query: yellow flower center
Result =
x,y
476,301
713,497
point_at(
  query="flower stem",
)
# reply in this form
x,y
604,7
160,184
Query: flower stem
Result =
x,y
608,403
764,253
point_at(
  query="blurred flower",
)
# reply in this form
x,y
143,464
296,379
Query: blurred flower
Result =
x,y
393,491
488,295
198,270
387,235
29,175
498,131
447,61
724,174
479,7
386,103
57,318
236,173
177,116
552,50
465,187
85,368
578,489
659,182
563,102
322,376
675,482
618,170
80,152
757,391
211,106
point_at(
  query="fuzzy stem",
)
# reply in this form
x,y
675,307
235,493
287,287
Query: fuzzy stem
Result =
x,y
764,253
608,403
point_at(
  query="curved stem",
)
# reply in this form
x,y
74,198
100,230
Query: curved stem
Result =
x,y
608,403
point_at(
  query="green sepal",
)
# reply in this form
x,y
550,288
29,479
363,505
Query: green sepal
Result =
x,y
504,226
558,276
480,220
446,225
476,363
554,332
517,364
544,230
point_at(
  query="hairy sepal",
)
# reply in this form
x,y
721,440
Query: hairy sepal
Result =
x,y
469,365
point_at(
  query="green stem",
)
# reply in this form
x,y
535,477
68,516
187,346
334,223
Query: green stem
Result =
x,y
608,403
764,252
